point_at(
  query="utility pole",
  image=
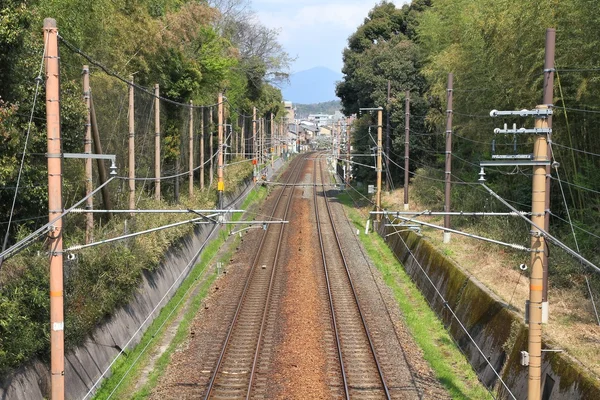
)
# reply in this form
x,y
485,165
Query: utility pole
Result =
x,y
243,138
387,139
211,145
379,164
202,149
254,146
87,149
448,171
156,142
55,207
538,246
131,145
406,145
272,141
191,150
347,177
548,100
220,183
102,175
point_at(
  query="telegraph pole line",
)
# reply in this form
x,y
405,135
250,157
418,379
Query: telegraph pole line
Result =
x,y
131,145
548,100
406,145
448,169
220,183
55,207
191,150
87,149
157,142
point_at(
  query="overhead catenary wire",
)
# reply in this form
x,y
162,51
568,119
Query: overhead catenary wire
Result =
x,y
110,72
454,316
543,232
38,81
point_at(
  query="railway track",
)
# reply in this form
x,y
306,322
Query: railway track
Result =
x,y
235,371
361,373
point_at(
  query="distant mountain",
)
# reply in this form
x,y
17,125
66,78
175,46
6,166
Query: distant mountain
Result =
x,y
315,85
328,107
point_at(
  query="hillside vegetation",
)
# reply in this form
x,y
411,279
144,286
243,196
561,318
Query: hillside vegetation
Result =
x,y
192,49
495,49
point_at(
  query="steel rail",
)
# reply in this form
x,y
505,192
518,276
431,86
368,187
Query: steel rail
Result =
x,y
331,308
219,362
339,246
268,299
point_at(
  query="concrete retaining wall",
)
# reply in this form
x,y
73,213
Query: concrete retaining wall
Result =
x,y
85,364
499,332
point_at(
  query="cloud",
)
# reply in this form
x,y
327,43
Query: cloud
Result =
x,y
315,31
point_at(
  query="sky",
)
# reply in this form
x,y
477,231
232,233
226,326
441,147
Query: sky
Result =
x,y
315,31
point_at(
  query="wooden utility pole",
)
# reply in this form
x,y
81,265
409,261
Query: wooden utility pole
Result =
x,y
191,150
387,138
220,183
211,145
131,145
87,149
254,146
156,142
347,177
102,175
379,163
202,149
243,138
272,140
538,246
406,146
55,208
548,100
448,171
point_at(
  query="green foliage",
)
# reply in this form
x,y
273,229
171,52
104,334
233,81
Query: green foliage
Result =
x,y
184,47
495,49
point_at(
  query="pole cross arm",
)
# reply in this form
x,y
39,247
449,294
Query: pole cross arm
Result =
x,y
111,157
539,113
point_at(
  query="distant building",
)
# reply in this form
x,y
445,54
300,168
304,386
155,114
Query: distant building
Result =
x,y
290,113
321,119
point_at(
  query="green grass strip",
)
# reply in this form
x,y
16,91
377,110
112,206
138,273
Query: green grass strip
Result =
x,y
450,366
169,313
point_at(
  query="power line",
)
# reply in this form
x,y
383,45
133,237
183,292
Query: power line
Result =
x,y
576,185
552,143
38,81
108,71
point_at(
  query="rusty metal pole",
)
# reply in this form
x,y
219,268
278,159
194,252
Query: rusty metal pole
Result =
x,y
220,183
538,246
191,150
87,149
202,149
406,146
156,142
131,146
379,162
55,208
548,99
448,171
